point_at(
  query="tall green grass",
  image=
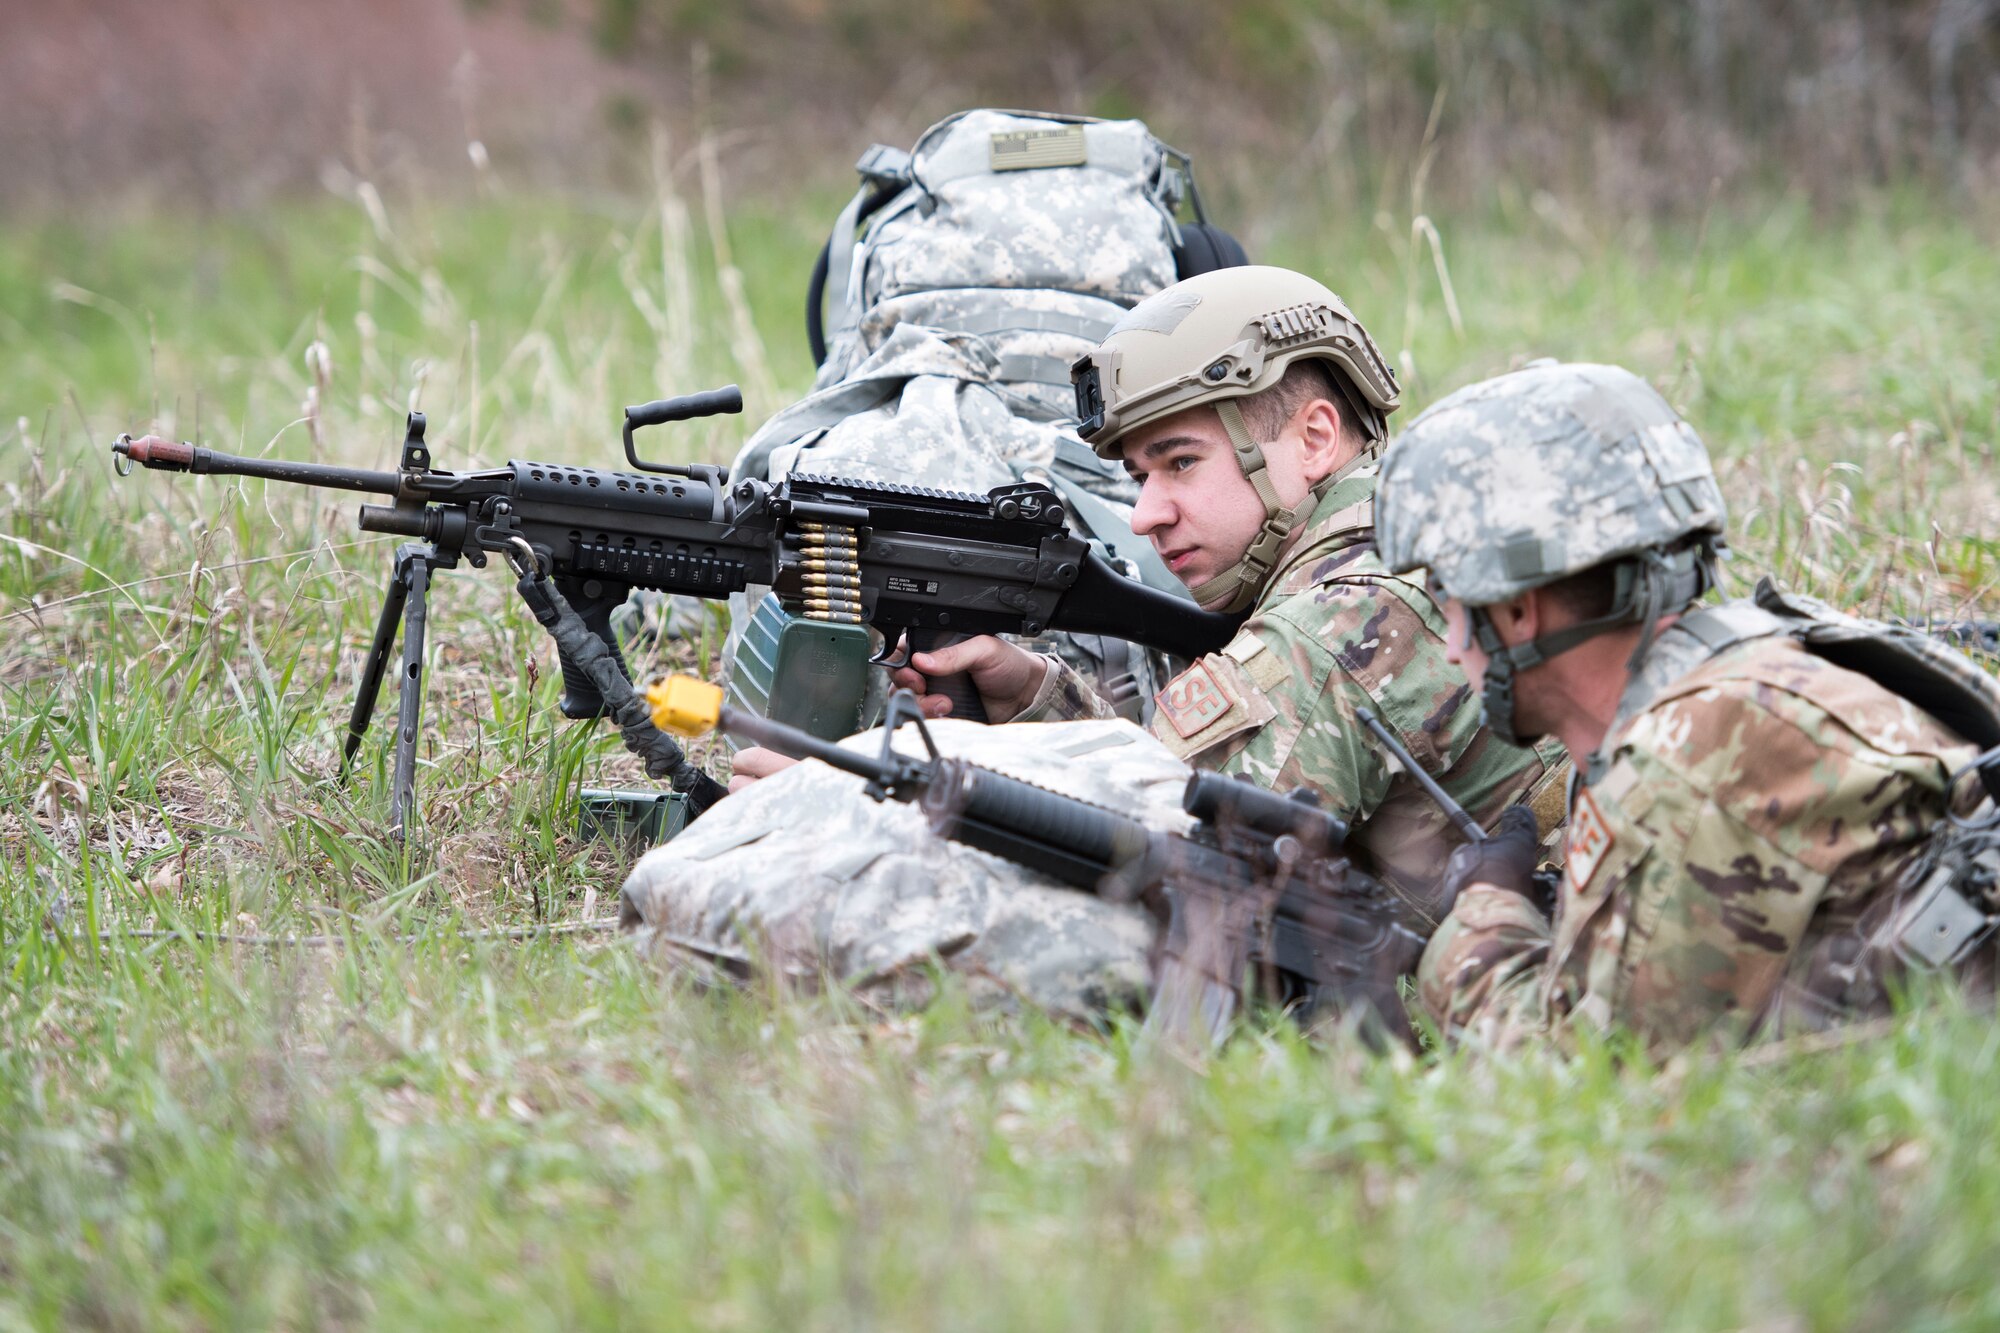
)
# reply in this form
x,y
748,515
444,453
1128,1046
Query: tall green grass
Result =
x,y
412,1126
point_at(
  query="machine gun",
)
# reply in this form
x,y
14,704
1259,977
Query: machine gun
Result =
x,y
927,564
1258,888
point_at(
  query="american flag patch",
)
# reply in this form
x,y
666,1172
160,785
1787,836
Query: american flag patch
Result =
x,y
1018,150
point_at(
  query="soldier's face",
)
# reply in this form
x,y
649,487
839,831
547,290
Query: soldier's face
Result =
x,y
1195,505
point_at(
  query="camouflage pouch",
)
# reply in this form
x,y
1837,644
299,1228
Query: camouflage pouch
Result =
x,y
1905,661
1946,904
1941,917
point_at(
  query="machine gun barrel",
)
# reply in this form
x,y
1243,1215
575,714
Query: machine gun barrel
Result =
x,y
175,456
885,562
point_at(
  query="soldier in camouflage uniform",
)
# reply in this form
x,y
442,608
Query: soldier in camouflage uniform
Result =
x,y
1009,244
1250,405
1746,809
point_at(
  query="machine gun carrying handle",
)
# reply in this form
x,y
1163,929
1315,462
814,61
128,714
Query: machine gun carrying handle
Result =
x,y
728,398
709,403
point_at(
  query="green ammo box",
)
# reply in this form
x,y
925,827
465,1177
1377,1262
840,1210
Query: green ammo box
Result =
x,y
640,818
810,674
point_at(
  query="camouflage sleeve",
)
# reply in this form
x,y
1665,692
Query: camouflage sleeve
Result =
x,y
1698,864
1480,975
1322,655
1677,915
1272,707
1303,669
1316,741
1065,696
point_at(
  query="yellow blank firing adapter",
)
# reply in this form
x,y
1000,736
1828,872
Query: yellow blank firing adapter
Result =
x,y
684,705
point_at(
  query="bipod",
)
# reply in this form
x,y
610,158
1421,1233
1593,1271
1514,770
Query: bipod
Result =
x,y
407,600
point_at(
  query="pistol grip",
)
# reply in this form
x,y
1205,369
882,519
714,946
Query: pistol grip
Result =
x,y
593,600
958,687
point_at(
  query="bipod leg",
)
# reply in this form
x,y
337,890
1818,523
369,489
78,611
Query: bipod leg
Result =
x,y
378,660
416,578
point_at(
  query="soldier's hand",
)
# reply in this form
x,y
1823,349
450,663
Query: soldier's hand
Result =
x,y
1506,860
754,763
1006,675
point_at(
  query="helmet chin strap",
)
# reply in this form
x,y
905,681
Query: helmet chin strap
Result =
x,y
1236,587
1644,588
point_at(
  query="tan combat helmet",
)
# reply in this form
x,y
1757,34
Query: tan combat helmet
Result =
x,y
1214,339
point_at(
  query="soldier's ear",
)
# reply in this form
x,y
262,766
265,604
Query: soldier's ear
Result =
x,y
1324,447
1528,612
1518,620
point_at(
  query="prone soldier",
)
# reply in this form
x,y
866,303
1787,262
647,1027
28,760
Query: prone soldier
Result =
x,y
1250,405
1772,820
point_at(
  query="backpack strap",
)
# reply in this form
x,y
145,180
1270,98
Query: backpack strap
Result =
x,y
884,172
1724,626
1908,663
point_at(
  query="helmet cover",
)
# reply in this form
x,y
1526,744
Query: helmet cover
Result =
x,y
1524,479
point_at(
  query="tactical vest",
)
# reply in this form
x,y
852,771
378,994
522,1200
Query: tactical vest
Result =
x,y
1946,904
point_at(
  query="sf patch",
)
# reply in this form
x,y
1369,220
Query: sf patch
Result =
x,y
1210,704
1193,700
1589,840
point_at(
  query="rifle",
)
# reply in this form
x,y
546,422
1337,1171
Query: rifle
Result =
x,y
1259,886
1971,636
933,565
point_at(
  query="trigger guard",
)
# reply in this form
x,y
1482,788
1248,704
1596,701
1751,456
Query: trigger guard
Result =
x,y
887,659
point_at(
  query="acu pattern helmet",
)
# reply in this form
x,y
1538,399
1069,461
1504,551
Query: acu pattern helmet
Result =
x,y
1528,478
1210,341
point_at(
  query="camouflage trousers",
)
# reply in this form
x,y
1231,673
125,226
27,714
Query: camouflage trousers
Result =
x,y
804,875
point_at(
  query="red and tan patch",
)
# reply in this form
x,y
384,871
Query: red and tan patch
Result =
x,y
1590,840
1193,700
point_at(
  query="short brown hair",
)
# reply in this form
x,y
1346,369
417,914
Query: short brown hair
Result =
x,y
1588,594
1265,414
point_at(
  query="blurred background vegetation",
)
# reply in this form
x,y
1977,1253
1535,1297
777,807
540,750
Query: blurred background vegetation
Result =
x,y
276,225
1625,106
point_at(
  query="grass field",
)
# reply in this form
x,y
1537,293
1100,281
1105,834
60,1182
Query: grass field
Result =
x,y
410,1126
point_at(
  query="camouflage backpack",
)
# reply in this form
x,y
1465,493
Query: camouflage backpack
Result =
x,y
993,204
958,286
